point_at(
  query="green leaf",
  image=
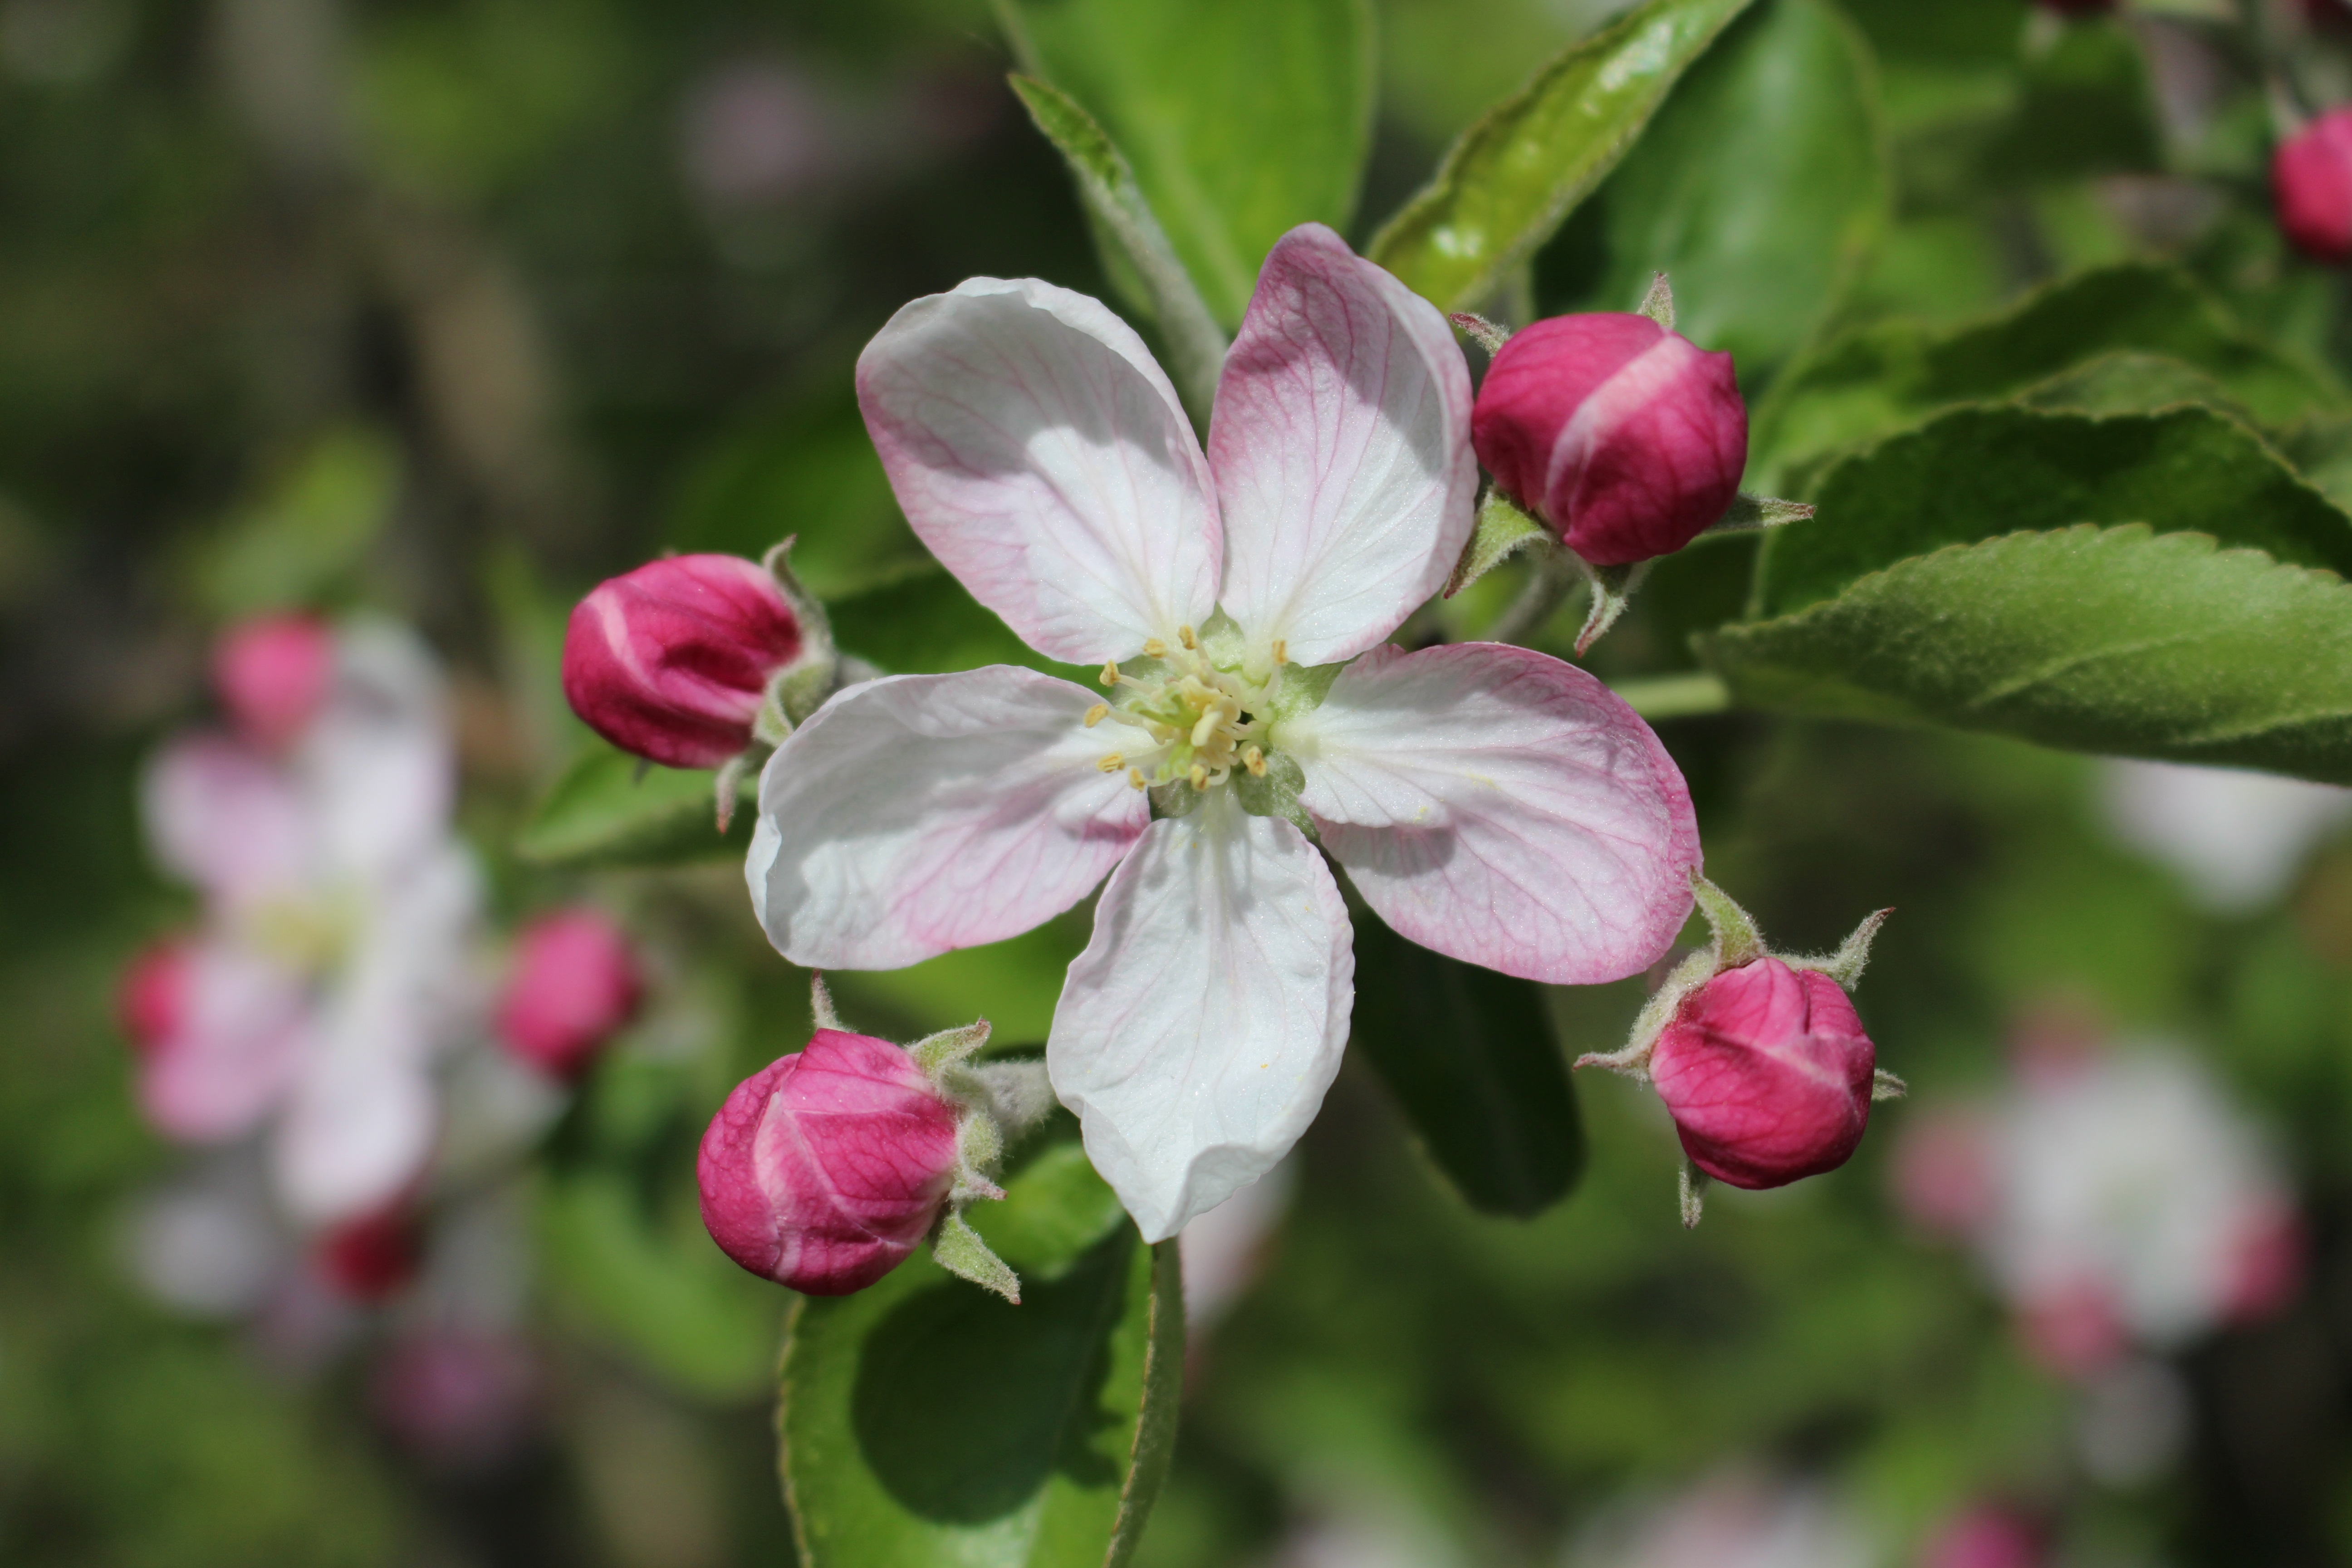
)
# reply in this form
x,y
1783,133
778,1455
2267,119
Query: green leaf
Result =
x,y
2130,382
1760,189
1470,1057
306,534
1513,176
2087,110
611,809
919,620
2117,640
1977,472
1242,118
924,1420
1196,346
1881,378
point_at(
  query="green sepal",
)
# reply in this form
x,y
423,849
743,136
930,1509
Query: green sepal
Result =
x,y
957,1247
1504,529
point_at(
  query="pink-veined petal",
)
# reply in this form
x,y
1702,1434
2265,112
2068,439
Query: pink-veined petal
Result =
x,y
1503,808
918,814
244,1027
1198,1032
1341,445
1041,453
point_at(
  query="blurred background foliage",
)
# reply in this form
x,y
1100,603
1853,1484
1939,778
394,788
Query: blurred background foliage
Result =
x,y
451,307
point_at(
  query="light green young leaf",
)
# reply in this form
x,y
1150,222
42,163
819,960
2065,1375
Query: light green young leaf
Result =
x,y
1761,187
1976,472
1517,174
611,809
1196,346
924,1420
2118,640
1242,118
306,534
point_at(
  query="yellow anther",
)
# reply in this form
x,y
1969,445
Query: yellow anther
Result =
x,y
1096,714
1112,764
1184,635
1281,651
1254,761
1135,777
1110,672
1154,648
1200,776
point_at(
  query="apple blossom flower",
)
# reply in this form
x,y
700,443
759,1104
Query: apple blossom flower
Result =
x,y
1624,437
1489,801
2311,181
333,962
572,984
2121,1202
2237,839
1766,1073
674,661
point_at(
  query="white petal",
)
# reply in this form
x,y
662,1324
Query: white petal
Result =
x,y
917,814
226,818
1341,446
377,765
1503,808
1199,1030
1042,454
360,1126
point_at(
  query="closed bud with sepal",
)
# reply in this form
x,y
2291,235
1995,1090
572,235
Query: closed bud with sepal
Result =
x,y
2311,180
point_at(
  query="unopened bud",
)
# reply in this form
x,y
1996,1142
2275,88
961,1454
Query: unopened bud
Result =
x,y
826,1169
1987,1537
1767,1074
1626,439
574,983
672,661
2311,179
274,673
373,1256
152,1000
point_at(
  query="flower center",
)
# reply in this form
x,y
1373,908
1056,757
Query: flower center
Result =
x,y
1204,720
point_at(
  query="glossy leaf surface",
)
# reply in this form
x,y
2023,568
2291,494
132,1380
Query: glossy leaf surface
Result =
x,y
1518,172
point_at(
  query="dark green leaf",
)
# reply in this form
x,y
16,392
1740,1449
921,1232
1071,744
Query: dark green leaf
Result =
x,y
1760,187
1242,118
611,809
2087,109
2129,382
1881,378
925,1421
1512,178
1469,1056
919,620
1977,472
1196,346
2116,640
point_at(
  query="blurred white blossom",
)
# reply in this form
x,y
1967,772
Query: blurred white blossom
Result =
x,y
2235,838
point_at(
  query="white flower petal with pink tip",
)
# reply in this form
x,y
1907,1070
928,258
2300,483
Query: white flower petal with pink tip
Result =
x,y
922,813
1199,1030
244,1028
222,815
1502,807
1042,454
1341,446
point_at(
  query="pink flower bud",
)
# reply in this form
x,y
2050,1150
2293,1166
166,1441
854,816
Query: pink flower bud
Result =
x,y
1623,438
1986,1537
1767,1074
2311,178
573,984
672,661
273,674
373,1256
152,1002
824,1170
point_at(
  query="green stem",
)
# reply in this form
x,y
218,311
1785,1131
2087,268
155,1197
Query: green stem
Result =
x,y
1675,696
